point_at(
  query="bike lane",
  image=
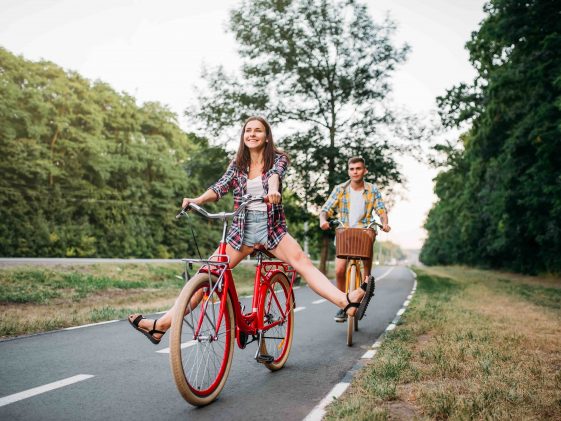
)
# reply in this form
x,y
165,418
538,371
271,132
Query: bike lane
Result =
x,y
130,380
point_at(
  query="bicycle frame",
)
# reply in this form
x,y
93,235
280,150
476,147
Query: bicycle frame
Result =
x,y
218,265
360,268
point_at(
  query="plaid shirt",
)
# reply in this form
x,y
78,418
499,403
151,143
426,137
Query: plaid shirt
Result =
x,y
236,179
339,202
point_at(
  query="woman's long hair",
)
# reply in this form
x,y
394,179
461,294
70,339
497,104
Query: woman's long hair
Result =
x,y
242,157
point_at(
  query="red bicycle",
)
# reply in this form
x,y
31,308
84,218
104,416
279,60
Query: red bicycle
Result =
x,y
209,318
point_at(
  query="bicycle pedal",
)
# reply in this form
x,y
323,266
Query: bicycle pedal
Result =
x,y
264,358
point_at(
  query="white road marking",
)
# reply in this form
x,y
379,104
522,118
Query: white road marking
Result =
x,y
369,354
386,273
6,400
295,287
91,324
323,300
183,346
299,309
319,411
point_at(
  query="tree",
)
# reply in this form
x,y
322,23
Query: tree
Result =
x,y
88,172
508,211
322,68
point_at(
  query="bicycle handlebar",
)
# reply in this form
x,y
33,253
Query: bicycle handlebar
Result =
x,y
335,223
246,200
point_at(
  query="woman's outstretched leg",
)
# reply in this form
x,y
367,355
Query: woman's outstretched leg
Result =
x,y
290,252
164,323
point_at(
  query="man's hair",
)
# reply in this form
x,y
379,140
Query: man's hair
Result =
x,y
356,159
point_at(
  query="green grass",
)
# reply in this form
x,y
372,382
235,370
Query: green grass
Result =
x,y
45,286
536,294
41,299
463,351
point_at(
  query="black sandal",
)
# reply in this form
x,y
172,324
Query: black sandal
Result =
x,y
148,333
351,304
368,288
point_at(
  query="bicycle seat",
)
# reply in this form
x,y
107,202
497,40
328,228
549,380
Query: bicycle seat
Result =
x,y
260,248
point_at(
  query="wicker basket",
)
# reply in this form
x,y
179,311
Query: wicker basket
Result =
x,y
354,243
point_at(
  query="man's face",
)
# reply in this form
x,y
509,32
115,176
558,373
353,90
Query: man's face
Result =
x,y
357,171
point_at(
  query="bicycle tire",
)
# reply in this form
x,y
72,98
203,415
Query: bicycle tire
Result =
x,y
200,363
351,319
277,341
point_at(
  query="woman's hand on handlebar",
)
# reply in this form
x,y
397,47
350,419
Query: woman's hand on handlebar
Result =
x,y
273,197
386,228
208,196
187,201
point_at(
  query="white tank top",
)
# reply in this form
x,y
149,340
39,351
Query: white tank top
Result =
x,y
255,189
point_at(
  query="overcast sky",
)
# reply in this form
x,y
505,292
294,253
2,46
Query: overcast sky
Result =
x,y
155,50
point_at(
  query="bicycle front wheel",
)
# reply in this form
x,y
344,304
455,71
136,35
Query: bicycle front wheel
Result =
x,y
278,312
353,282
202,340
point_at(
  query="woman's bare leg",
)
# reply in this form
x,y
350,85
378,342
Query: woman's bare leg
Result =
x,y
164,322
290,252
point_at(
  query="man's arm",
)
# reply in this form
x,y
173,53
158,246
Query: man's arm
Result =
x,y
385,222
323,224
327,208
381,210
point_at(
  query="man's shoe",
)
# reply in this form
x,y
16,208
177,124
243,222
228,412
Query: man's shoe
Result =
x,y
340,316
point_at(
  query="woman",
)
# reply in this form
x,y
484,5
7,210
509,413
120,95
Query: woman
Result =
x,y
258,170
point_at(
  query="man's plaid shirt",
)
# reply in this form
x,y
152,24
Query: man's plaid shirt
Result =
x,y
236,179
339,203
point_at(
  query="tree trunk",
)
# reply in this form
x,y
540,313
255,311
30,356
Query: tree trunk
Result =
x,y
324,252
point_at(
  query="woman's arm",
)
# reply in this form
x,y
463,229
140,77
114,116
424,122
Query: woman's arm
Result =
x,y
216,191
280,166
274,177
208,196
273,194
222,186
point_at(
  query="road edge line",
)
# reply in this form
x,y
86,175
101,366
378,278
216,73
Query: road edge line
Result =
x,y
318,412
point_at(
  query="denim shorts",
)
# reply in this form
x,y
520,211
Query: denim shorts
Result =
x,y
255,228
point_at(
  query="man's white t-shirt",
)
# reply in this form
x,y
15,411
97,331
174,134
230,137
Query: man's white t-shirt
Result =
x,y
357,207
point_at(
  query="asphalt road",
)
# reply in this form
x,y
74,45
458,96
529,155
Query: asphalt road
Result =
x,y
130,380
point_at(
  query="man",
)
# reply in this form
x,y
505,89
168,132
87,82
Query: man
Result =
x,y
353,201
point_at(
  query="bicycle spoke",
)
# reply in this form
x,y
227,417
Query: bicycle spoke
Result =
x,y
278,320
204,358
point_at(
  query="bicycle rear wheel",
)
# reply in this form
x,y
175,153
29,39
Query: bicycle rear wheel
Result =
x,y
278,307
201,345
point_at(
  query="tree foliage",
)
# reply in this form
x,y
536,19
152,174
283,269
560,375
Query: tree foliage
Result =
x,y
322,65
88,172
322,68
500,198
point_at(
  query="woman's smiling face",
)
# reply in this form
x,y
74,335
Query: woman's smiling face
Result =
x,y
255,135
